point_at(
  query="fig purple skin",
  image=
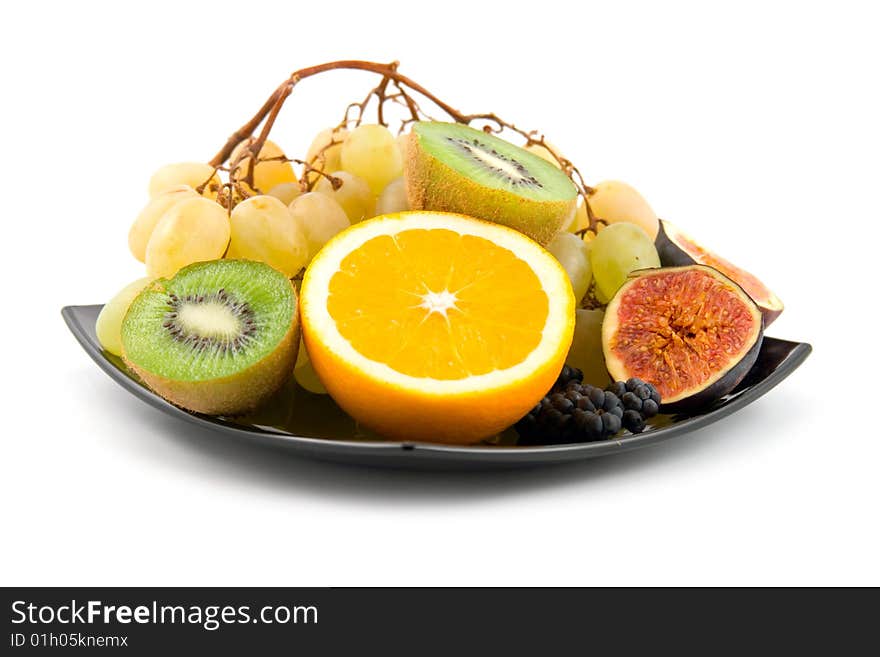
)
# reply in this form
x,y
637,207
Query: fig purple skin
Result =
x,y
677,249
690,331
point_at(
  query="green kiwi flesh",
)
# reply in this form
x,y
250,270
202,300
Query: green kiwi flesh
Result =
x,y
219,337
455,168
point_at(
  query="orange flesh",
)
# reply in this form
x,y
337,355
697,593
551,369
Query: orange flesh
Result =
x,y
677,330
438,304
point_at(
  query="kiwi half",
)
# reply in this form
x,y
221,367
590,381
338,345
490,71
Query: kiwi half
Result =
x,y
218,338
454,168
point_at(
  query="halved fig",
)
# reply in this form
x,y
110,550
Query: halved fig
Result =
x,y
676,248
690,331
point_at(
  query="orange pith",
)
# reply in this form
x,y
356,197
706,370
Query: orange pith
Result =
x,y
438,304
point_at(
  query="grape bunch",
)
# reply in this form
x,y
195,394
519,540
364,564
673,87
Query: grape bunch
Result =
x,y
620,240
271,216
265,212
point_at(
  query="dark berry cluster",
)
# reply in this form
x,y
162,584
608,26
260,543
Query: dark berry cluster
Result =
x,y
576,412
640,401
566,376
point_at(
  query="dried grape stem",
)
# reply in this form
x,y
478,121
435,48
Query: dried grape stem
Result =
x,y
268,113
201,188
335,182
306,181
379,91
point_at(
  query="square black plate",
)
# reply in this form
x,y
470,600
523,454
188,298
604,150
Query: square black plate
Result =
x,y
314,426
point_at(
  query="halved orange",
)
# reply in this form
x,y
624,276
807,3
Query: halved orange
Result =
x,y
435,326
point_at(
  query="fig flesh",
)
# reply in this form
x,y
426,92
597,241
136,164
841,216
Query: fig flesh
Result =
x,y
676,248
690,331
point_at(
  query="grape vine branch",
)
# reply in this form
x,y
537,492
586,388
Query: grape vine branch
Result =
x,y
393,87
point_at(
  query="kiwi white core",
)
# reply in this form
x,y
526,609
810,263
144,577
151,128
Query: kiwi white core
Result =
x,y
516,173
210,320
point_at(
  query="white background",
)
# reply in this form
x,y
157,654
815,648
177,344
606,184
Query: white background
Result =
x,y
754,126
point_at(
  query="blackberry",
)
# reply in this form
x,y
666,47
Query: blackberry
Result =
x,y
577,412
650,408
561,403
618,388
566,376
643,390
633,421
640,401
611,424
572,412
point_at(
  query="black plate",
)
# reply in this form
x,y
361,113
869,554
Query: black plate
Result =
x,y
313,425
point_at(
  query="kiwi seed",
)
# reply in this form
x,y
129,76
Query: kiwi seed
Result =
x,y
486,154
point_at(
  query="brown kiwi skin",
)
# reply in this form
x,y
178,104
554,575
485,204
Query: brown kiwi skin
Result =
x,y
231,395
432,185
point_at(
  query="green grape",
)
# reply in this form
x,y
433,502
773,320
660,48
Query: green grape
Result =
x,y
108,327
193,230
305,374
617,250
371,152
393,198
586,347
286,192
263,229
146,221
353,195
320,218
192,174
571,252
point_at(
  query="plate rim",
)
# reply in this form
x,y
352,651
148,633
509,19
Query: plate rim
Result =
x,y
412,450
